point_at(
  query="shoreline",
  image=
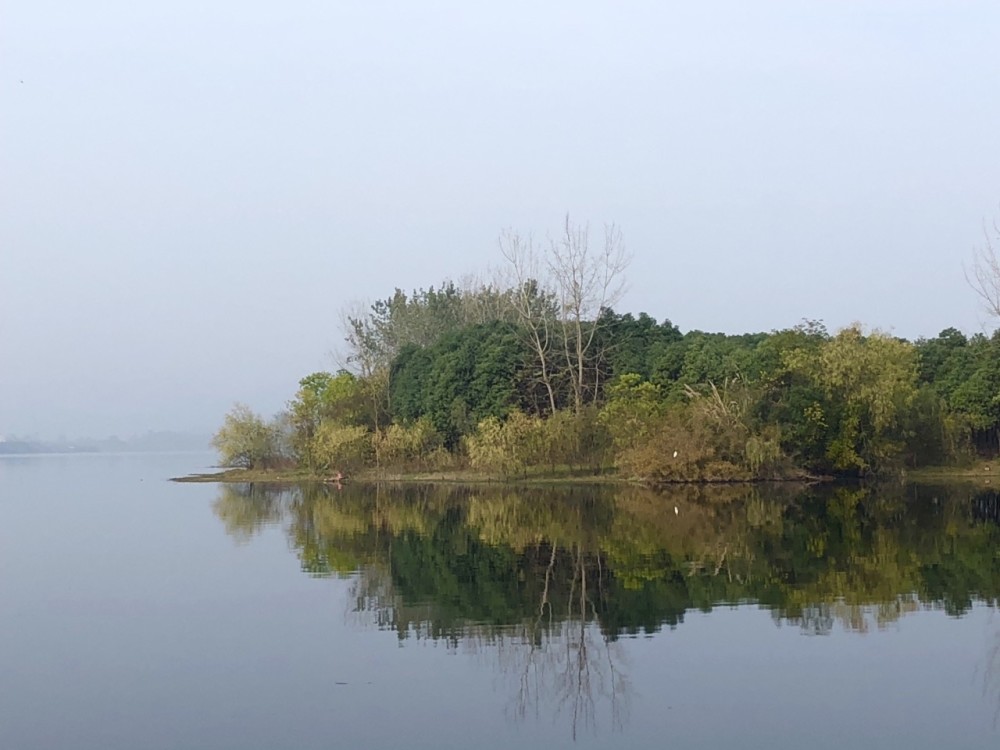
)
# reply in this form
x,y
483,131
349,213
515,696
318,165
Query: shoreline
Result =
x,y
261,476
979,472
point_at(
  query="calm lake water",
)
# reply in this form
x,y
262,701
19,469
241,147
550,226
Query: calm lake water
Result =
x,y
140,613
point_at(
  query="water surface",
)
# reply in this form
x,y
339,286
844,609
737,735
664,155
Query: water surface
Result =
x,y
141,613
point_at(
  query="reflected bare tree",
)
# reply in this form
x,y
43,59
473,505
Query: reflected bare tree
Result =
x,y
562,661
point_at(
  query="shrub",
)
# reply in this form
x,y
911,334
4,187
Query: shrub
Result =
x,y
341,447
414,445
246,441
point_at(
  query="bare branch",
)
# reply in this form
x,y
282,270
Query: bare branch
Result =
x,y
531,303
587,284
984,275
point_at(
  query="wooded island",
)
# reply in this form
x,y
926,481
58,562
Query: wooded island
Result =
x,y
535,373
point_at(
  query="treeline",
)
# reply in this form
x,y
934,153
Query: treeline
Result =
x,y
537,372
450,392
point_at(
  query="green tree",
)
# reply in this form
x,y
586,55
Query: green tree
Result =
x,y
791,399
466,376
632,345
869,383
323,397
633,408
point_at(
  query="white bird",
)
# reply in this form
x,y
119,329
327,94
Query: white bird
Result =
x,y
676,512
675,454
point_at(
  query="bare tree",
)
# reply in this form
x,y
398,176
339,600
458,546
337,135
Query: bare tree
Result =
x,y
533,307
587,282
558,296
984,275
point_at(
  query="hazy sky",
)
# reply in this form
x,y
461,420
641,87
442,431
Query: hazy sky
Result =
x,y
190,192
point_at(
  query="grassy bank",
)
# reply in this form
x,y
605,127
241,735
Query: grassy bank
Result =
x,y
532,476
250,475
978,471
458,476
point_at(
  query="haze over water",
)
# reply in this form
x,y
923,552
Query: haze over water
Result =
x,y
142,613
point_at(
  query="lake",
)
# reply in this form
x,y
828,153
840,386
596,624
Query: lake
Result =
x,y
141,613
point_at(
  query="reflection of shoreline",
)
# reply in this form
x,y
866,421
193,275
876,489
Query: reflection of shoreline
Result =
x,y
821,619
848,556
544,582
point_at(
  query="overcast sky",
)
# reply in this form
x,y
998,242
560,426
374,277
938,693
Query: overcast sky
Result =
x,y
190,192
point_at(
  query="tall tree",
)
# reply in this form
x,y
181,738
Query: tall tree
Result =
x,y
587,281
535,308
870,383
560,294
323,397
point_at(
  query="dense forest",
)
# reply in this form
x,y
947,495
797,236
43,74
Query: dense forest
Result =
x,y
537,372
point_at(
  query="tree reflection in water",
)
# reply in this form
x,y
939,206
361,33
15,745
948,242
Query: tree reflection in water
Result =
x,y
543,583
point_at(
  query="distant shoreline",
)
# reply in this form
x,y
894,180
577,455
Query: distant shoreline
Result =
x,y
153,442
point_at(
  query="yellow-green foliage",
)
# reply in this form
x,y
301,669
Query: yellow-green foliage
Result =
x,y
322,397
574,439
870,382
511,446
340,447
633,409
507,447
711,438
560,439
245,440
681,448
415,445
486,446
763,452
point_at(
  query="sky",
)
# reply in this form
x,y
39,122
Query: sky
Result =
x,y
191,193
